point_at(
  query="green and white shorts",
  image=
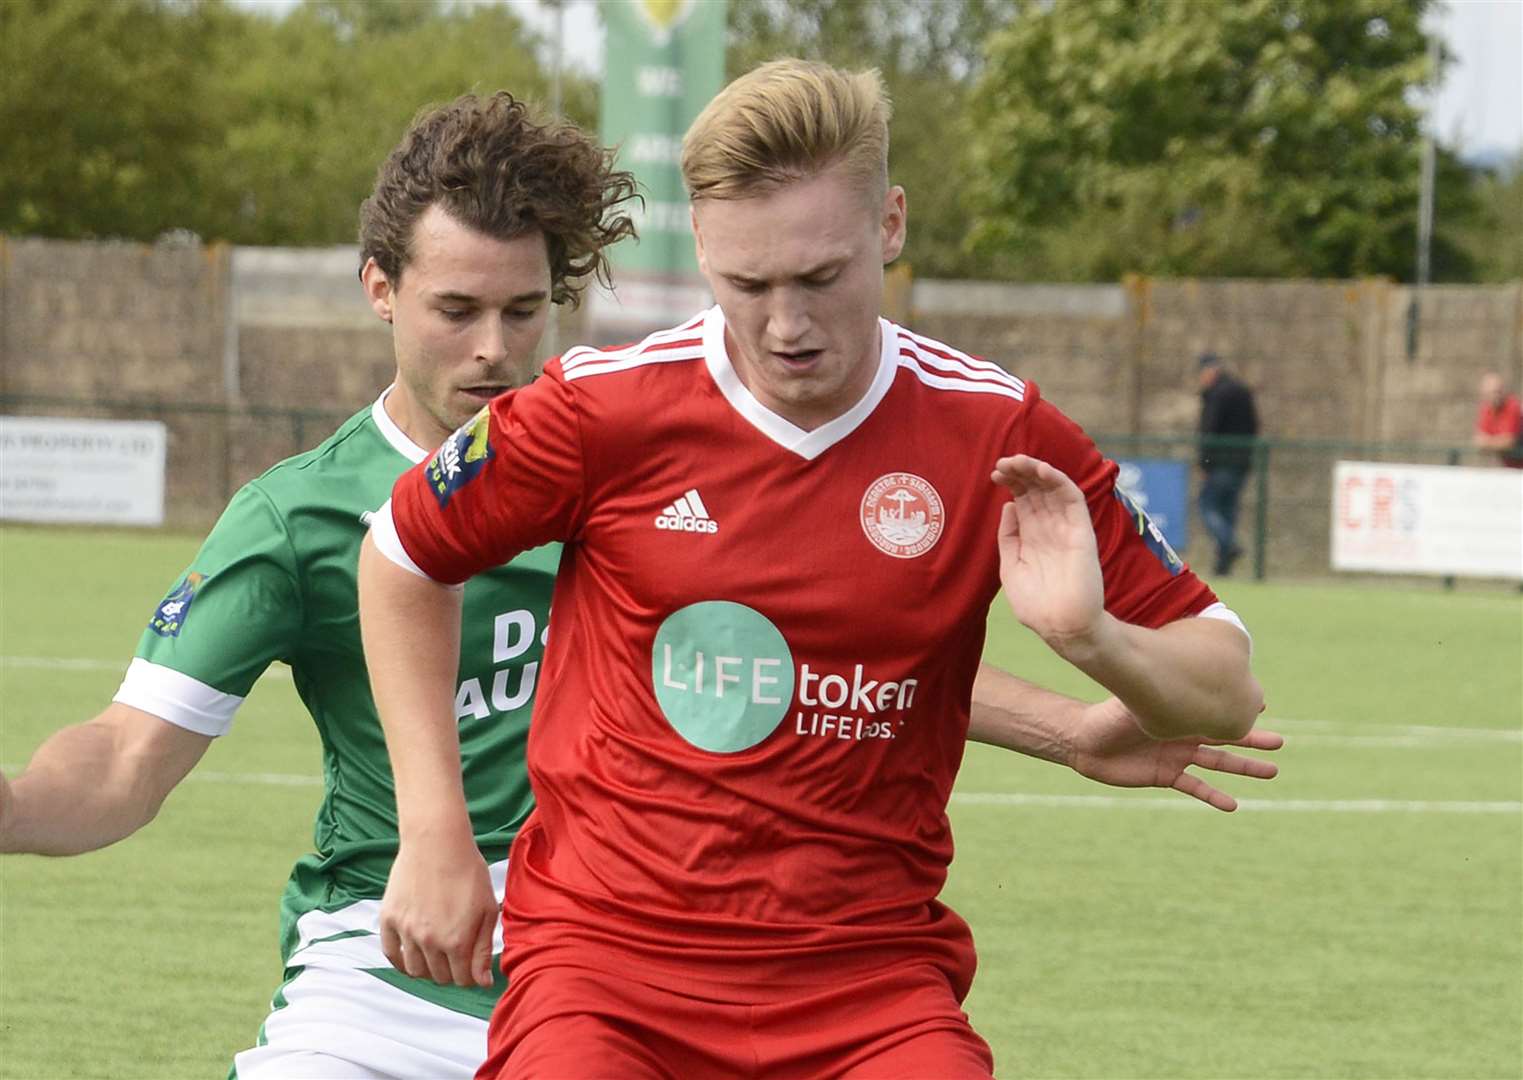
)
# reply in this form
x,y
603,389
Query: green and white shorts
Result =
x,y
344,1013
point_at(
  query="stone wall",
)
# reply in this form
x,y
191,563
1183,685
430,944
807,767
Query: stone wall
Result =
x,y
250,355
1329,361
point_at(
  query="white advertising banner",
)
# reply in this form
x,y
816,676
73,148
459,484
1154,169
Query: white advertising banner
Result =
x,y
1427,519
72,471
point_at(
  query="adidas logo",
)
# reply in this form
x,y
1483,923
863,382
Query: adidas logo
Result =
x,y
687,514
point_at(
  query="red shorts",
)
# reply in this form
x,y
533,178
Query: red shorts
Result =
x,y
563,1023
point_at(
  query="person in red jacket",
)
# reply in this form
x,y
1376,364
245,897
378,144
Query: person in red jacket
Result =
x,y
1498,422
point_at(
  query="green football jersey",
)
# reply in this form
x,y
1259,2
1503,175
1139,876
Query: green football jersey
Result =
x,y
275,581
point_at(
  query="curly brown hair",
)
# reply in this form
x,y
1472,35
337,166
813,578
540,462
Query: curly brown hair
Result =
x,y
493,168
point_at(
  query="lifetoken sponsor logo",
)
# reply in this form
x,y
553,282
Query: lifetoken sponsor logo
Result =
x,y
687,514
861,700
725,677
902,515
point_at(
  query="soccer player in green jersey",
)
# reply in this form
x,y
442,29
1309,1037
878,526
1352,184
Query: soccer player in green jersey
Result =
x,y
479,220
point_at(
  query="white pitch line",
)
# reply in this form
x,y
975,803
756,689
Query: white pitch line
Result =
x,y
1323,806
1328,733
1319,730
1055,802
1408,742
275,779
61,663
70,663
1302,732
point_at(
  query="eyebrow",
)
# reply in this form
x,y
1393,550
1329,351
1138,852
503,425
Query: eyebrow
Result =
x,y
834,263
469,298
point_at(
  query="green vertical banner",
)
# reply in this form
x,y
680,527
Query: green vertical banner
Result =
x,y
664,61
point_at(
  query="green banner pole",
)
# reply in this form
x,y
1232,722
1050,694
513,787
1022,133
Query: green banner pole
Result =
x,y
664,61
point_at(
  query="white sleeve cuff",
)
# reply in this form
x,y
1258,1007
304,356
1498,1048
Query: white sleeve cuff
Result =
x,y
1221,611
176,697
383,529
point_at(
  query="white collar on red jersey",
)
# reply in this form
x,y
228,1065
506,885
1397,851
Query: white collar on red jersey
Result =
x,y
806,444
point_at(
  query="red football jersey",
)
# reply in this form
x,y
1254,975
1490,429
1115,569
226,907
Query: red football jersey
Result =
x,y
755,696
1503,419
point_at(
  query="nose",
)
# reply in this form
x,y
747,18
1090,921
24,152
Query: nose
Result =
x,y
491,345
787,316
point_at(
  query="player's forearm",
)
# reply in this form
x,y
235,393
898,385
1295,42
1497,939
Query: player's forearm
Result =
x,y
1189,678
82,791
410,627
1021,716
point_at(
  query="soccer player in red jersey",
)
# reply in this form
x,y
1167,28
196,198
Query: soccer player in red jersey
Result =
x,y
782,539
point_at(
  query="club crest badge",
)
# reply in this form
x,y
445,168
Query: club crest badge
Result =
x,y
169,617
902,515
463,455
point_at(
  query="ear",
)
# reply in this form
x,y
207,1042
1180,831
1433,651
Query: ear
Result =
x,y
703,262
892,226
377,289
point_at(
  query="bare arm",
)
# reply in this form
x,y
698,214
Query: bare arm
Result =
x,y
439,908
1104,742
1017,715
95,783
1189,678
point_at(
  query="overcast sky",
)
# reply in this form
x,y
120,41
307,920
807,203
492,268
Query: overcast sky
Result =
x,y
1479,106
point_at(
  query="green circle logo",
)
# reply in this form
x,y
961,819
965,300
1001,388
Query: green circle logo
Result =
x,y
723,675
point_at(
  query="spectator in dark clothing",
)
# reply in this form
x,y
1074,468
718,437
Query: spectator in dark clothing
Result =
x,y
1226,408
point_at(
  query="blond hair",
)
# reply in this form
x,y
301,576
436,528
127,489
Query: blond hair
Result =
x,y
784,121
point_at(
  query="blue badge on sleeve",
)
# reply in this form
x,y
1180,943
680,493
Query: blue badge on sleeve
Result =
x,y
1150,533
463,455
169,616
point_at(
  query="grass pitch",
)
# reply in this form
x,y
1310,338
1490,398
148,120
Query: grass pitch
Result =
x,y
1359,917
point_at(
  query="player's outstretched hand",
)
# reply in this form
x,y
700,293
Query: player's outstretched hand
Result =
x,y
1049,563
438,914
1109,746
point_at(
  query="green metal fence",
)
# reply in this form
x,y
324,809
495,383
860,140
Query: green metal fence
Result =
x,y
1285,519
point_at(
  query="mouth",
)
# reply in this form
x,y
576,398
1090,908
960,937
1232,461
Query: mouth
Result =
x,y
798,360
484,392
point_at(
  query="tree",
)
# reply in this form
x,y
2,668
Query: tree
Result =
x,y
309,118
1261,137
1495,242
928,52
103,116
134,118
